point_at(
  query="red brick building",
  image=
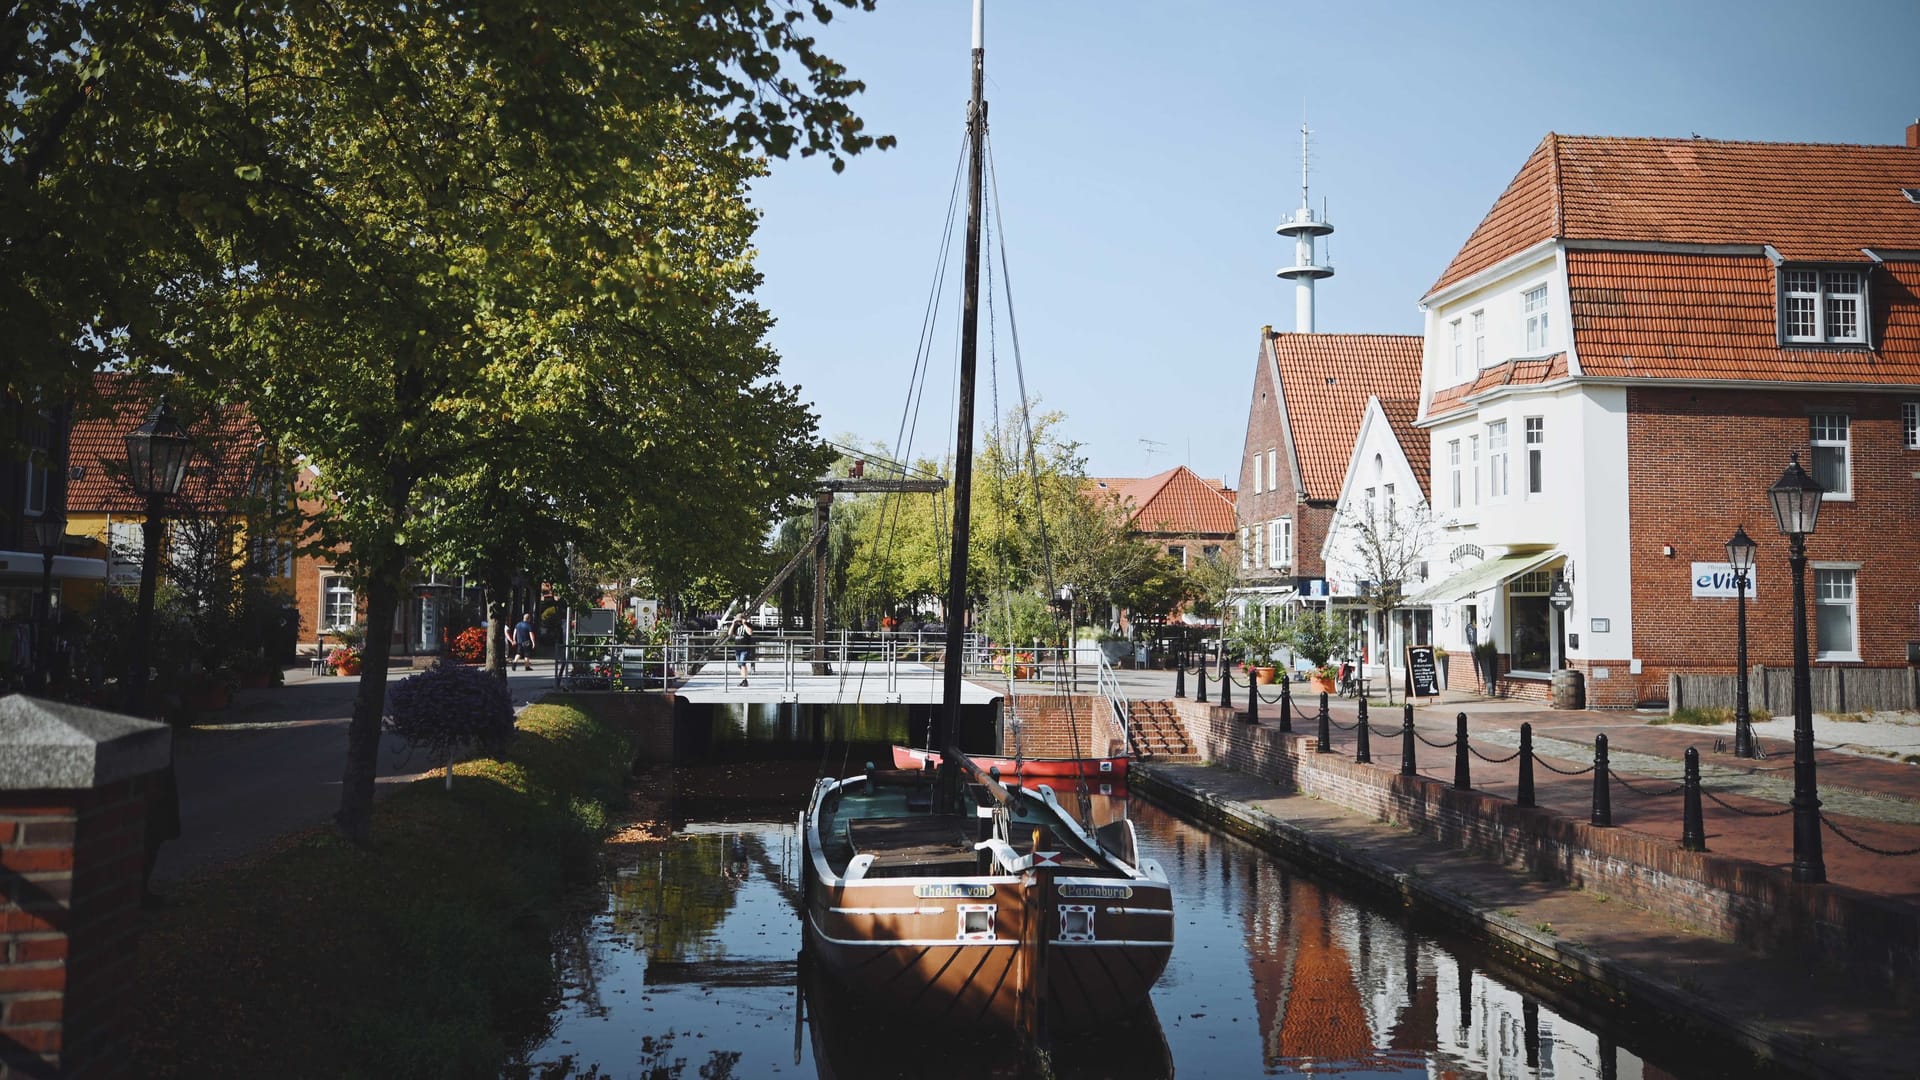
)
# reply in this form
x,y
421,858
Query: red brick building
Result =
x,y
1620,361
1182,513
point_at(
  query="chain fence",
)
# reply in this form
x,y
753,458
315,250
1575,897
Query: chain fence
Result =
x,y
1644,793
1724,805
1863,845
1545,764
1492,760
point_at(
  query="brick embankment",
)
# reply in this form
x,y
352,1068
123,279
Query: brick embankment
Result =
x,y
1821,975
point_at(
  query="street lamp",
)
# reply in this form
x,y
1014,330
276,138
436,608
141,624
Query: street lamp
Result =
x,y
157,453
1740,551
1796,506
50,530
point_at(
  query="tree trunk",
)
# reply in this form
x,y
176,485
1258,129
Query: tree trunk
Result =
x,y
355,818
498,603
493,658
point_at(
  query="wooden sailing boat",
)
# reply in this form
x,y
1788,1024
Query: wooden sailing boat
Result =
x,y
955,894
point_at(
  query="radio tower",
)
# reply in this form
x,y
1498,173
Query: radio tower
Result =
x,y
1304,226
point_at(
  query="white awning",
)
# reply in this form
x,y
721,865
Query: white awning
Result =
x,y
66,567
1482,576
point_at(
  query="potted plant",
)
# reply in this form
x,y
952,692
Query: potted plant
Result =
x,y
1440,664
344,660
1317,636
1486,657
1255,642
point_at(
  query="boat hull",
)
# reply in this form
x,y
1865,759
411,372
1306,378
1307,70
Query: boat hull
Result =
x,y
1108,769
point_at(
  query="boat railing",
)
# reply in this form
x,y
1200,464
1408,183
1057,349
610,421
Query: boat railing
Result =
x,y
1119,711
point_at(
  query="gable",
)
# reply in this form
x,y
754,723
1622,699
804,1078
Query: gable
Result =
x,y
1325,381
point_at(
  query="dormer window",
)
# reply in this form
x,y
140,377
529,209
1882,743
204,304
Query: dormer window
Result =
x,y
1818,305
1535,302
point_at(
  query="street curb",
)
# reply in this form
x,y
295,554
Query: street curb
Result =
x,y
1616,984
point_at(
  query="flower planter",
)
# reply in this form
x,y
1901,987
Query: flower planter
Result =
x,y
351,667
1324,686
1265,675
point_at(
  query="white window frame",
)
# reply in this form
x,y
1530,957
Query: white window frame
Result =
x,y
1534,434
1459,332
1497,454
1256,473
1369,503
1473,460
1816,303
1178,552
329,591
1533,305
1851,602
1821,437
1280,542
1910,424
1386,493
1246,549
1479,339
1273,469
1453,470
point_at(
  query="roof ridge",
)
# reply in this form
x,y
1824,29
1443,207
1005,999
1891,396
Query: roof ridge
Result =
x,y
1695,140
1558,188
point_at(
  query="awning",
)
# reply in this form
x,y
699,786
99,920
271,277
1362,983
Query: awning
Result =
x,y
65,567
1480,577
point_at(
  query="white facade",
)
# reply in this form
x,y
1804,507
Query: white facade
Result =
x,y
1381,487
1526,470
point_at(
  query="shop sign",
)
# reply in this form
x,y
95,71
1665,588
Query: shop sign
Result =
x,y
1716,579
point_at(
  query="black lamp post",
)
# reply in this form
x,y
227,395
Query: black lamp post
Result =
x,y
1796,506
157,453
50,530
1740,551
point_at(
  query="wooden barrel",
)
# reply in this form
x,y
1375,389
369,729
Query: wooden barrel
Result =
x,y
1569,689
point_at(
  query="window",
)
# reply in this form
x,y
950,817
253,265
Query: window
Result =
x,y
1473,459
1536,312
1530,621
1459,348
1453,468
1273,469
1280,544
1257,534
1823,305
1178,553
1536,449
1387,492
336,598
1256,472
39,440
1209,551
1479,339
1835,620
1497,460
1369,504
1830,469
1246,550
1910,425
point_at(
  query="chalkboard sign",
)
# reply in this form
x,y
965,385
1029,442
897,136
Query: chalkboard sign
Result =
x,y
594,622
1423,677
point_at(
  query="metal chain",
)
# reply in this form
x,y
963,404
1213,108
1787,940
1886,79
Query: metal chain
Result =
x,y
1545,764
1828,822
1384,733
1437,745
1625,783
1722,803
1341,726
1492,761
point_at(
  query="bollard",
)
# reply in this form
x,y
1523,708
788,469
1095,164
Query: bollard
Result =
x,y
1406,741
1525,796
1180,676
1324,744
1363,743
1462,772
1602,794
1200,673
1693,830
1226,686
1253,699
1286,705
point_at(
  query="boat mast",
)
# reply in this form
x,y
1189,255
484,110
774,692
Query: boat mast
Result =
x,y
969,350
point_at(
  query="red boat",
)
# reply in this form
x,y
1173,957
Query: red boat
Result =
x,y
1108,769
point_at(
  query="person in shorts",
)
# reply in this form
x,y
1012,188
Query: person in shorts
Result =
x,y
742,634
523,641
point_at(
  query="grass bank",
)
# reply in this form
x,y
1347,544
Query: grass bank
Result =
x,y
425,954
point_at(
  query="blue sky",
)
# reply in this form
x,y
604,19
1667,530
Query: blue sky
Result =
x,y
1146,151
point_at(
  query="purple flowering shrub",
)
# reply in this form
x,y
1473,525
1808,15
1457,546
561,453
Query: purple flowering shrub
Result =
x,y
449,706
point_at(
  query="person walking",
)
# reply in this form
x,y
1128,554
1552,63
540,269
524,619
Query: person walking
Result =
x,y
523,642
742,634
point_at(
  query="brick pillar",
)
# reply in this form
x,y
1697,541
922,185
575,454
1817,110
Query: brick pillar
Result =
x,y
74,785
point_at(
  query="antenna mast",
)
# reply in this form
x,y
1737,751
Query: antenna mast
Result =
x,y
1304,226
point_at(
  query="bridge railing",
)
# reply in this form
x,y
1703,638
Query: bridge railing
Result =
x,y
1118,714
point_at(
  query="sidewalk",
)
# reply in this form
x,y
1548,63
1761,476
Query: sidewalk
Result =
x,y
271,762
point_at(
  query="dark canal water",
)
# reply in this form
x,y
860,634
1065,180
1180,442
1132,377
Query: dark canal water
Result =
x,y
688,966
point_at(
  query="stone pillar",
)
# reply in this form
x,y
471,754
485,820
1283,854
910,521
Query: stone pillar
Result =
x,y
74,788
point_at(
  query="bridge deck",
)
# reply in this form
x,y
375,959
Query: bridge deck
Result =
x,y
775,680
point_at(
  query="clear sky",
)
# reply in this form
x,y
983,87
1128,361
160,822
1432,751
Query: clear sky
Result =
x,y
1146,150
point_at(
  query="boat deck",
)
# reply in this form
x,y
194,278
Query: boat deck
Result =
x,y
894,825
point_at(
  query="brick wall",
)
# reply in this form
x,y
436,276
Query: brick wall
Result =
x,y
1691,501
1310,522
1828,926
72,864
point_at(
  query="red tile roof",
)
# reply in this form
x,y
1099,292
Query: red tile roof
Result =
x,y
1666,316
225,442
1325,380
1177,502
1808,200
1401,413
1524,372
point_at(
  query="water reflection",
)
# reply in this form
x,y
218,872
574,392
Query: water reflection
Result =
x,y
690,967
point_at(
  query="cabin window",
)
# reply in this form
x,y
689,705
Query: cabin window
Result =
x,y
1076,922
976,922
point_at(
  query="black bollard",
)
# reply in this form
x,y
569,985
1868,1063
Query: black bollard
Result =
x,y
1406,741
1462,772
1324,744
1180,676
1525,797
1286,705
1200,673
1226,686
1602,794
1363,744
1693,830
1253,699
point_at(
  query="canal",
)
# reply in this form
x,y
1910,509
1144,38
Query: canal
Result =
x,y
685,961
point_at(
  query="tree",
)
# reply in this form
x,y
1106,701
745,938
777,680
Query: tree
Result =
x,y
1384,546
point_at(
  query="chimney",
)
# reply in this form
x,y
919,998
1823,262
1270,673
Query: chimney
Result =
x,y
1913,135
